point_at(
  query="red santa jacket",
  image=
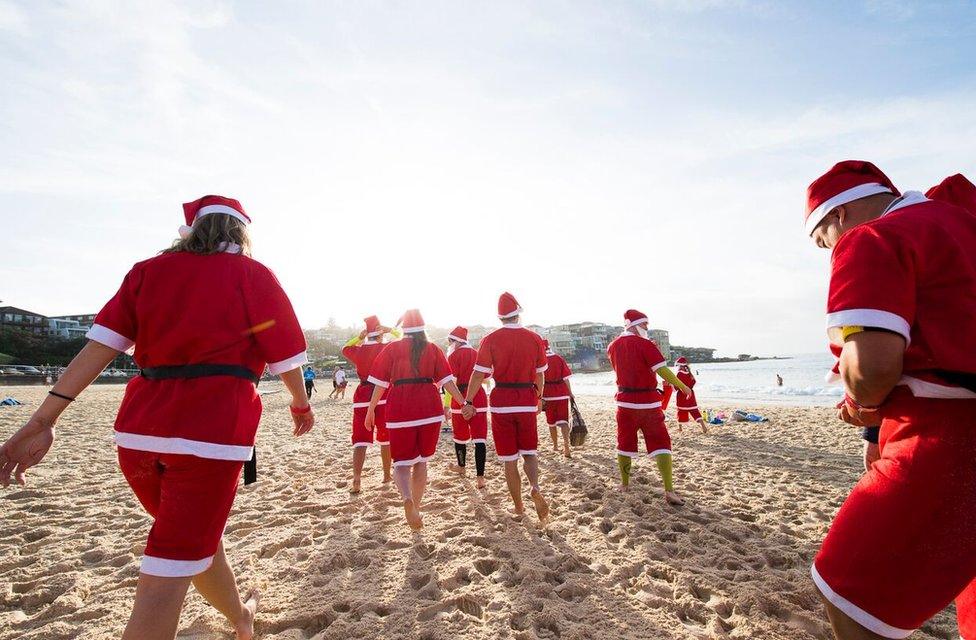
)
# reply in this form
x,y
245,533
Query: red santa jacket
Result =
x,y
462,361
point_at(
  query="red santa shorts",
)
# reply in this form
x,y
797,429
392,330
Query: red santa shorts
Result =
x,y
557,411
189,499
903,545
650,423
686,415
515,435
363,437
475,430
410,445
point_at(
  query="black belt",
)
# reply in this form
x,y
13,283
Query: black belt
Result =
x,y
560,381
514,385
635,389
191,371
403,381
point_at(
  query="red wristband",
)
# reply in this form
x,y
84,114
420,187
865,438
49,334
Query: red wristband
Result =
x,y
851,402
300,412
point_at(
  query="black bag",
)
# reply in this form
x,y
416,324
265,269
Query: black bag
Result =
x,y
577,435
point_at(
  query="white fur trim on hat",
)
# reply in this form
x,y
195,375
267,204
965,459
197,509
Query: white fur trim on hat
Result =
x,y
636,322
511,314
852,194
221,208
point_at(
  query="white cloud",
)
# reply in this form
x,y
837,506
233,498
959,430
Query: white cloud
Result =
x,y
13,18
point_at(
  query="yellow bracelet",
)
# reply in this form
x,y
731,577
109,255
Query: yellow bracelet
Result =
x,y
847,332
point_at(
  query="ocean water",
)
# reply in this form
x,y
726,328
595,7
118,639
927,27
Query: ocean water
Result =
x,y
745,384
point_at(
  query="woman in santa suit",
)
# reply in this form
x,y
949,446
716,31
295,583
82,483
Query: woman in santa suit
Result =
x,y
204,319
411,371
462,358
687,403
361,351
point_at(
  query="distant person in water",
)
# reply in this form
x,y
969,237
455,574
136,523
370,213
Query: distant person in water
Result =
x,y
779,380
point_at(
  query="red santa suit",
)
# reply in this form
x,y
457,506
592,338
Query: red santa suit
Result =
x,y
514,356
362,356
203,328
462,360
686,403
556,391
903,544
635,360
413,403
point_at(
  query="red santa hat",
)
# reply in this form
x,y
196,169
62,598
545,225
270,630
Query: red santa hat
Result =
x,y
508,306
545,343
955,190
845,182
195,210
459,334
412,321
373,327
681,361
633,317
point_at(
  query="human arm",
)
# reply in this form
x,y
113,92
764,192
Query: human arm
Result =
x,y
668,376
870,366
295,383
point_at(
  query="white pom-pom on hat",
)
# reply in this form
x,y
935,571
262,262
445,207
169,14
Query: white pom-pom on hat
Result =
x,y
185,231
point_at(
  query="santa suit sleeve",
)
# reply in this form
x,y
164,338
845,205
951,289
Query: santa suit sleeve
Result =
x,y
485,363
655,359
382,369
273,323
566,371
115,325
872,284
349,353
442,369
541,361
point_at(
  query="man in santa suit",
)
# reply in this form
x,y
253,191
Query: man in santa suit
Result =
x,y
462,357
686,404
901,313
361,351
638,362
516,358
555,398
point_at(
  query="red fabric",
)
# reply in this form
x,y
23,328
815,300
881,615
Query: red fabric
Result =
x,y
632,316
360,434
183,308
557,411
414,444
955,190
514,434
507,305
557,370
474,430
461,333
188,497
917,263
515,355
650,424
668,390
411,402
686,401
687,415
634,360
841,177
411,320
966,611
462,361
372,324
190,209
903,544
362,356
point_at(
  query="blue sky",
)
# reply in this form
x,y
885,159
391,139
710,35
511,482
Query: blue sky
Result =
x,y
590,157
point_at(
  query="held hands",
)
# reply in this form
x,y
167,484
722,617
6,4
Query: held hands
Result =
x,y
303,418
858,415
24,449
370,419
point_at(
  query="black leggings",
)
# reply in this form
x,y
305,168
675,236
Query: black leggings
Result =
x,y
309,385
480,455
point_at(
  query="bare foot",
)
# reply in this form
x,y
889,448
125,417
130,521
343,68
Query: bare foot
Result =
x,y
414,519
481,482
387,479
355,488
541,506
462,471
624,487
704,430
567,452
673,498
244,628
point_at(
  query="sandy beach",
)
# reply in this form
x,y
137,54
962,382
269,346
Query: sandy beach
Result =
x,y
733,563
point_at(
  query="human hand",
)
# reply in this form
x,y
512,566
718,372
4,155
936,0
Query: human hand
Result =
x,y
24,449
304,419
468,411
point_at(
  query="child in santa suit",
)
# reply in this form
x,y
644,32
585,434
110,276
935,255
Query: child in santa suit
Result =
x,y
901,314
411,372
203,319
555,398
361,351
637,362
462,357
686,404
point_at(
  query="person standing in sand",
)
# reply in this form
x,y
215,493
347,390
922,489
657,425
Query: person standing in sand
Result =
x,y
204,319
362,351
413,370
901,317
309,376
516,358
637,362
555,398
462,357
686,404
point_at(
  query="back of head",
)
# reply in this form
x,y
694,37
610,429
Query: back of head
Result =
x,y
214,233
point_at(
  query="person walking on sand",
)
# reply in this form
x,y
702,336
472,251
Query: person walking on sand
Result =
x,y
516,358
686,404
412,370
309,376
901,317
638,362
462,357
204,319
555,398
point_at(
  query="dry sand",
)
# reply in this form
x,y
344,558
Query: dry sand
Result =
x,y
734,563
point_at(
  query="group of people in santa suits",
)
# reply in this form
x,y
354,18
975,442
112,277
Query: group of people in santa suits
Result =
x,y
901,318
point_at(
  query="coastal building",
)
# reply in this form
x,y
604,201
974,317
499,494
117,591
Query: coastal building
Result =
x,y
66,329
23,320
694,354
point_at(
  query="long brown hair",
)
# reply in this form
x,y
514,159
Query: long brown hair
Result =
x,y
417,348
211,234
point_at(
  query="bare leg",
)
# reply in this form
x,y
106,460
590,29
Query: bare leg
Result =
x,y
419,482
401,476
555,437
845,628
358,460
701,423
387,462
219,587
531,466
514,482
156,610
564,427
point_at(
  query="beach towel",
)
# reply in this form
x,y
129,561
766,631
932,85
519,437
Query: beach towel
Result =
x,y
10,402
577,435
742,416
